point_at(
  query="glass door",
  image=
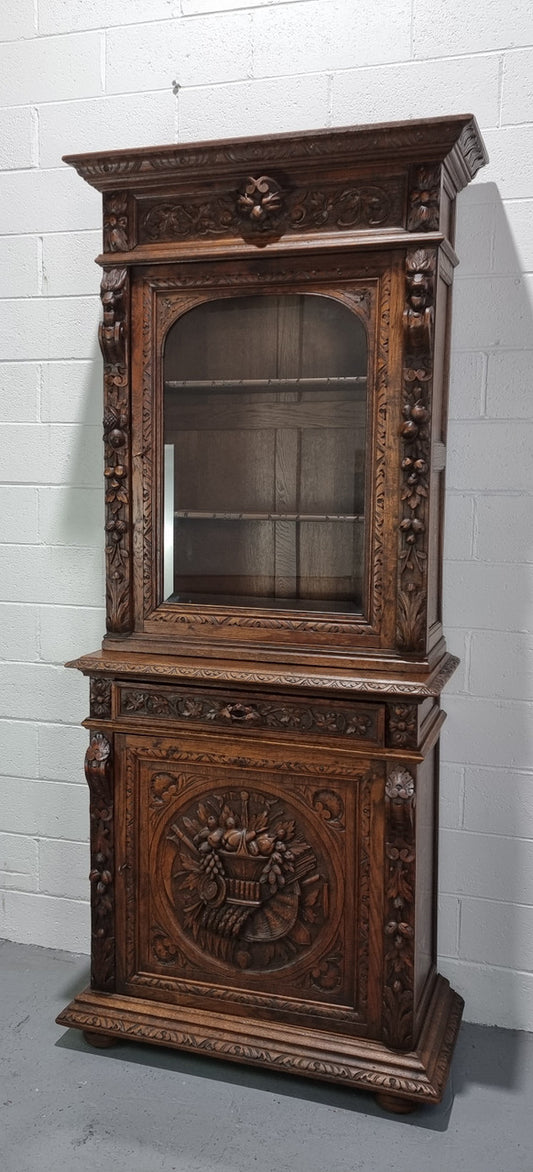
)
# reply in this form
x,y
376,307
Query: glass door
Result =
x,y
264,442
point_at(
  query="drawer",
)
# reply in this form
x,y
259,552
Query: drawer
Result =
x,y
351,721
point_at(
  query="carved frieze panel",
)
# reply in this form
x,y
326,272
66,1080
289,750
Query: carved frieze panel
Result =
x,y
260,206
356,722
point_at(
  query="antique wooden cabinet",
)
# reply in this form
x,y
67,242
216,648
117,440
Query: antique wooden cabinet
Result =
x,y
265,716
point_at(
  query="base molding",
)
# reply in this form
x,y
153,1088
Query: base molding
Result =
x,y
419,1074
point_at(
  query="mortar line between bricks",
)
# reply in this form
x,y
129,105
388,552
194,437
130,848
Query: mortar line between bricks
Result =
x,y
479,964
479,898
486,834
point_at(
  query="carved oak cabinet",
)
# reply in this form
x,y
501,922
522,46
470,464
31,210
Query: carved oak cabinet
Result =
x,y
265,716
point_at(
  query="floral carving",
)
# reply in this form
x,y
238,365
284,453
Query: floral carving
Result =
x,y
183,219
327,974
329,805
287,716
116,441
116,222
348,208
245,881
399,922
424,199
100,697
100,781
402,724
416,436
260,200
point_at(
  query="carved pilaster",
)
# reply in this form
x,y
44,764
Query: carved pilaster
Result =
x,y
117,440
398,991
416,436
424,199
116,225
99,774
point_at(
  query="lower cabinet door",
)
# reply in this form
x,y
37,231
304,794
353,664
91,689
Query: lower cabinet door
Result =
x,y
251,882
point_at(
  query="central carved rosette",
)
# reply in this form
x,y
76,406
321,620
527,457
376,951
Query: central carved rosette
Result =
x,y
245,881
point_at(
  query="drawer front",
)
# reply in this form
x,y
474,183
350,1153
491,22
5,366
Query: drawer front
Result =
x,y
354,722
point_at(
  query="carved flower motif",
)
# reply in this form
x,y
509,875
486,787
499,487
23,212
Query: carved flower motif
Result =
x,y
259,199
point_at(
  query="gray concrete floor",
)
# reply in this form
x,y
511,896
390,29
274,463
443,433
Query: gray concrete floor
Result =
x,y
64,1105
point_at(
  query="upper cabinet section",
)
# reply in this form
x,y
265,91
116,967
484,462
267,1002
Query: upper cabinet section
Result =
x,y
201,198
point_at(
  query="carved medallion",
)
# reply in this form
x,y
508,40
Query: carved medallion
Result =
x,y
260,200
246,884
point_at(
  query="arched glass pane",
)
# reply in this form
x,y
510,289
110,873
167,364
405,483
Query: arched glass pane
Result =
x,y
264,434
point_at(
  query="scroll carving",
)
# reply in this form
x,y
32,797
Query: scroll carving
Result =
x,y
247,886
100,698
113,342
399,908
98,771
416,436
424,199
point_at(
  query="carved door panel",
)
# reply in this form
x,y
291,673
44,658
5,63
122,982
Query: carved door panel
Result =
x,y
249,882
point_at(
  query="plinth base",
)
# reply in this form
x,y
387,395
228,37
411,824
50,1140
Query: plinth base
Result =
x,y
418,1075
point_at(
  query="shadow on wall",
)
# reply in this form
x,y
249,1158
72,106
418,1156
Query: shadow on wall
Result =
x,y
487,749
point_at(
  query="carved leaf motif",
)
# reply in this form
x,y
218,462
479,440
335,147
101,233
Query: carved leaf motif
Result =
x,y
416,436
99,778
399,908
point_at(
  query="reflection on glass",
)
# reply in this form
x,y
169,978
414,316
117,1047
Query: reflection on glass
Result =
x,y
264,433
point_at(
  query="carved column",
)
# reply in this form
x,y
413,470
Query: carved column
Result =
x,y
117,441
416,437
99,774
398,992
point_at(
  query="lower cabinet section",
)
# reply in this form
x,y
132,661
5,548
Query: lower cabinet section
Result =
x,y
250,882
250,894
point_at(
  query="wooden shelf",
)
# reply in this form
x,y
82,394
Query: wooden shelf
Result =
x,y
200,515
254,384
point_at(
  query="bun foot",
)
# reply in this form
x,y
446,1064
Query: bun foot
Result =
x,y
101,1041
396,1103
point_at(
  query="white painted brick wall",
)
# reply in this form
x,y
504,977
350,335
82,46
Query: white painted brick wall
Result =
x,y
77,76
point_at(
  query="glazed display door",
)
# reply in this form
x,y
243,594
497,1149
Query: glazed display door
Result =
x,y
265,407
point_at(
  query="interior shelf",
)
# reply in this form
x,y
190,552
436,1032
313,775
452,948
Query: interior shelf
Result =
x,y
252,384
201,515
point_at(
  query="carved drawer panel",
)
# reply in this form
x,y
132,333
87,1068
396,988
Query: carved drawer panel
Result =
x,y
248,884
354,722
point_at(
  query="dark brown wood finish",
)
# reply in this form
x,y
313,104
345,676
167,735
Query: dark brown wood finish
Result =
x,y
264,735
